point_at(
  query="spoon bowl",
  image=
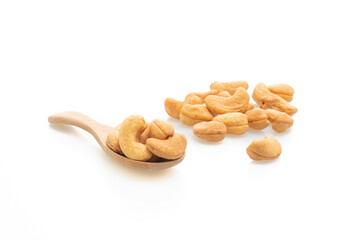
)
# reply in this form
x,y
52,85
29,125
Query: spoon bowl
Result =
x,y
100,133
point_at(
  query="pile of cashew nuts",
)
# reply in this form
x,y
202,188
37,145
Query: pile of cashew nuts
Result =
x,y
143,141
226,109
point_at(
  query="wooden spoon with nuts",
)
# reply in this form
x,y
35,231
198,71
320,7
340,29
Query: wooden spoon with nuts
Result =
x,y
100,132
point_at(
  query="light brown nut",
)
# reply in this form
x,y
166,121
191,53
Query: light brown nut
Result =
x,y
192,114
193,100
229,86
259,92
264,149
267,99
280,121
283,90
129,138
161,129
277,103
145,134
212,131
202,96
238,102
224,94
112,140
173,107
250,106
257,118
171,148
236,123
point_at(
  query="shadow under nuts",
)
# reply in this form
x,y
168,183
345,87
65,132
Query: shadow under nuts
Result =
x,y
129,138
236,123
171,148
282,90
280,121
257,119
264,149
229,86
236,103
192,114
212,131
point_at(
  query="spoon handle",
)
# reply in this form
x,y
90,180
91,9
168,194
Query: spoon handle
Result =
x,y
98,130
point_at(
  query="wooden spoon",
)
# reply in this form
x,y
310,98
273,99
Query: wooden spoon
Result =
x,y
100,132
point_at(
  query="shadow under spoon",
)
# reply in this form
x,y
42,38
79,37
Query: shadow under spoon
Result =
x,y
100,132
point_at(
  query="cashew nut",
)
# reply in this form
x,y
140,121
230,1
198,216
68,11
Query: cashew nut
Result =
x,y
212,131
161,129
264,149
192,114
173,107
267,99
236,123
171,148
129,138
112,140
238,102
280,121
283,90
257,118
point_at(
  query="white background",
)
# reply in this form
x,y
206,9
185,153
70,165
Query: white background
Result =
x,y
111,59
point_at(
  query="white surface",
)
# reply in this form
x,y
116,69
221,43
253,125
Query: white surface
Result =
x,y
110,59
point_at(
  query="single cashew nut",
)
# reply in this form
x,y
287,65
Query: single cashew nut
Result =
x,y
212,131
259,92
280,121
129,138
161,129
277,103
282,90
112,140
171,148
238,102
257,118
236,123
267,99
202,96
264,149
229,86
224,94
173,107
192,114
193,100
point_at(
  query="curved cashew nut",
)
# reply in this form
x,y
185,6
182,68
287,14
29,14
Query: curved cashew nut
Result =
x,y
282,90
236,103
173,107
129,138
171,148
192,114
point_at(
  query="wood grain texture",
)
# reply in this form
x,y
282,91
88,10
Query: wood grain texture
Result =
x,y
100,132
